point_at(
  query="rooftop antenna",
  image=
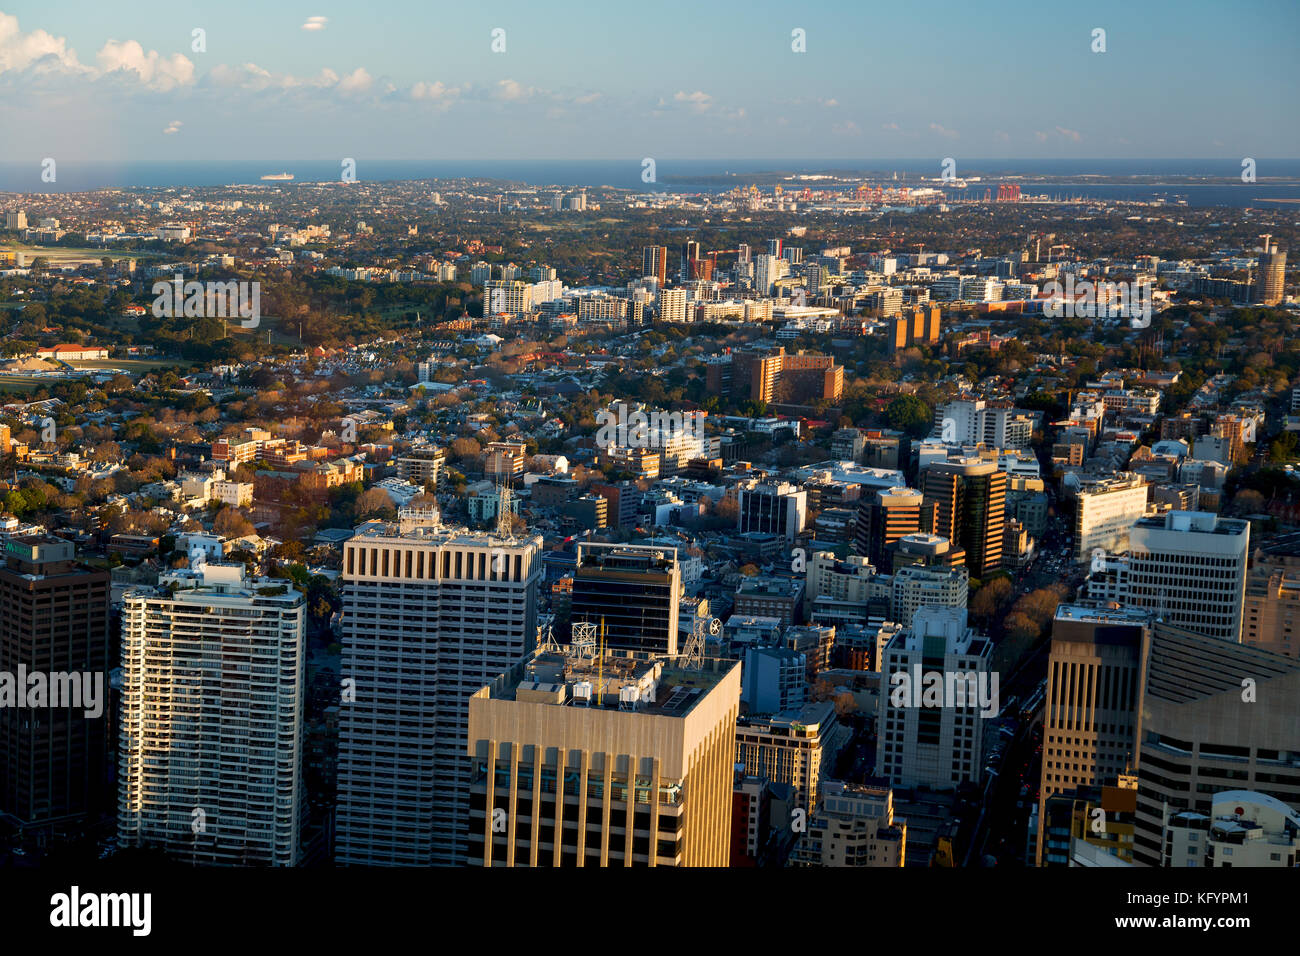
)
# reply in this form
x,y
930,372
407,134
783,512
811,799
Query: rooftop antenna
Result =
x,y
583,643
693,656
505,526
600,665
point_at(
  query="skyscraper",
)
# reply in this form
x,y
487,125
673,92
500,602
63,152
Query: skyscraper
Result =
x,y
654,262
1271,281
429,618
213,690
633,591
53,620
882,519
771,507
1094,684
603,761
969,499
928,739
1190,568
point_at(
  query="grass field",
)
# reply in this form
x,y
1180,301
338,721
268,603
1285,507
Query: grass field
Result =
x,y
131,365
21,383
56,254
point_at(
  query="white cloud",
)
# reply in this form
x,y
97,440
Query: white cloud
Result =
x,y
18,51
698,101
358,81
173,127
511,90
153,69
944,131
315,23
1071,134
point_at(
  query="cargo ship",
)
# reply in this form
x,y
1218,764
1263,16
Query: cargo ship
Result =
x,y
278,176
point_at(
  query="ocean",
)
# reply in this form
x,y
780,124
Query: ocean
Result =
x,y
1277,178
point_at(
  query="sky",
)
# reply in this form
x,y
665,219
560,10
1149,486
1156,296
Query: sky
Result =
x,y
706,79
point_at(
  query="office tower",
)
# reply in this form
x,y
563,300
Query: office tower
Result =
x,y
755,372
429,618
775,247
1216,716
633,591
796,748
883,518
53,620
927,738
772,507
1243,828
1271,281
913,587
654,262
604,761
1090,717
792,255
743,254
690,252
854,826
213,691
1105,511
1270,616
969,497
1190,568
672,305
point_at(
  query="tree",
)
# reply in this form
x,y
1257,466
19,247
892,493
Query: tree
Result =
x,y
374,501
909,414
231,523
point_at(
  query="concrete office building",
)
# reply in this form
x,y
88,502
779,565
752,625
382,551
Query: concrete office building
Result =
x,y
213,695
603,762
1216,716
1190,568
1094,687
914,587
924,742
633,591
772,507
54,761
1105,511
429,618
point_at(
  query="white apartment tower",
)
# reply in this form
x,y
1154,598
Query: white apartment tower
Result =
x,y
213,688
429,618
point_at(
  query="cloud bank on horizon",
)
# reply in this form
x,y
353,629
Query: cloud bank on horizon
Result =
x,y
509,92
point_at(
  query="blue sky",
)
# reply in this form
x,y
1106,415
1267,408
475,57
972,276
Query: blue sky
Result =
x,y
697,80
